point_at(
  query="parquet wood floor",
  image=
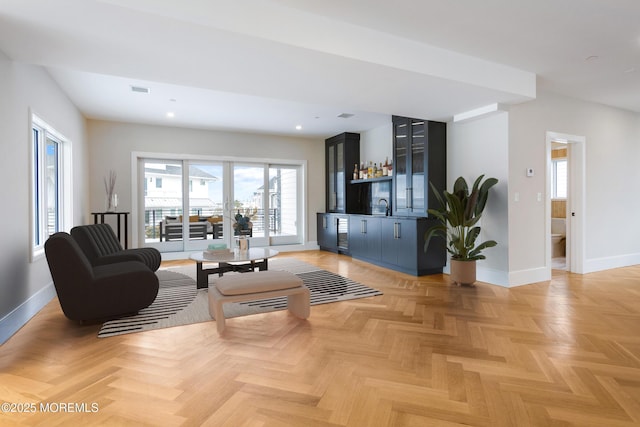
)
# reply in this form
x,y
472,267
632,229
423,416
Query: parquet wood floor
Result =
x,y
559,353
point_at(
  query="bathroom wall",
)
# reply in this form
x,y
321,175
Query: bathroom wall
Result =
x,y
558,209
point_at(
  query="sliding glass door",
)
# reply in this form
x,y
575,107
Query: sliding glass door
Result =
x,y
189,204
163,204
205,205
248,202
267,196
284,209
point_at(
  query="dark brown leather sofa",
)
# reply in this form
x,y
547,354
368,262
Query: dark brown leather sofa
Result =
x,y
90,293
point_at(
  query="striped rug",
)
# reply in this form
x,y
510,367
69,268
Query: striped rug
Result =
x,y
180,303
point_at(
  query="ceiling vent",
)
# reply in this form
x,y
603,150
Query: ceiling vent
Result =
x,y
140,89
346,115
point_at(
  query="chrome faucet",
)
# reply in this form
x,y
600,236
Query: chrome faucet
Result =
x,y
386,206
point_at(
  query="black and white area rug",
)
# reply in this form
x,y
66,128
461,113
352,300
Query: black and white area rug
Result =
x,y
180,303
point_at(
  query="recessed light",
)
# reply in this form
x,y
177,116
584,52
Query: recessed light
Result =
x,y
171,114
591,58
298,127
346,115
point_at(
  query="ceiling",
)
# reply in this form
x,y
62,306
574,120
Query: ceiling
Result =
x,y
269,65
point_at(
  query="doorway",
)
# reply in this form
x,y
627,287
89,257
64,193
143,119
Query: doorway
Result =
x,y
574,206
559,198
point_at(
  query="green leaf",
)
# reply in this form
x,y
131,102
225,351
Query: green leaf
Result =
x,y
484,194
435,231
472,235
476,252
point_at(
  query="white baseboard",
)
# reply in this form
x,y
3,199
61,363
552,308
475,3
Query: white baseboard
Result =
x,y
607,263
486,275
12,322
510,279
492,276
527,277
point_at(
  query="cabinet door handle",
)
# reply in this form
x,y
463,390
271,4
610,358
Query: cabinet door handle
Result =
x,y
410,199
396,231
363,226
324,222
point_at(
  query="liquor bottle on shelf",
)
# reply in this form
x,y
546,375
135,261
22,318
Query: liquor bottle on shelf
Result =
x,y
355,172
385,167
370,170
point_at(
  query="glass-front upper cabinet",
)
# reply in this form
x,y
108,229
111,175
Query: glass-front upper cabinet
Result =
x,y
401,143
331,177
418,165
340,181
342,152
419,150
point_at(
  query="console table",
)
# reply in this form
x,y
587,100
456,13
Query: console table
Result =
x,y
119,221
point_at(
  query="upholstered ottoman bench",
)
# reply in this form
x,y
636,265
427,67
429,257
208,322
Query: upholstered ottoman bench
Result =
x,y
256,286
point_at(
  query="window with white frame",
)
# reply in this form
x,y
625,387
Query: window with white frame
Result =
x,y
559,179
48,193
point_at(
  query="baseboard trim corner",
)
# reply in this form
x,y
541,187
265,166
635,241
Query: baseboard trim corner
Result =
x,y
527,277
12,322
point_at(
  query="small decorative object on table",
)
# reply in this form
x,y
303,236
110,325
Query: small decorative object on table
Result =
x,y
242,244
216,250
242,225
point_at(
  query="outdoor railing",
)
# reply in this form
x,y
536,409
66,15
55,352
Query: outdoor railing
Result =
x,y
153,217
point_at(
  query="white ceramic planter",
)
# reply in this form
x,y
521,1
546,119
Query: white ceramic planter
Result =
x,y
463,272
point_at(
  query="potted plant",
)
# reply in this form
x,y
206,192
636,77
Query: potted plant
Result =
x,y
458,216
242,224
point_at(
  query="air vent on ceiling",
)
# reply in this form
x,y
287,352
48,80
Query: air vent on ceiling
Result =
x,y
346,115
140,89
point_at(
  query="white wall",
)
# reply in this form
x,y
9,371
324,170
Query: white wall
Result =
x,y
612,233
506,144
112,144
474,148
25,286
376,145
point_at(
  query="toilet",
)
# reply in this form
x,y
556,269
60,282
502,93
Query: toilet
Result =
x,y
558,237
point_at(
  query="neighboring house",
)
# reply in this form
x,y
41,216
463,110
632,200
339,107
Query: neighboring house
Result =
x,y
163,190
282,202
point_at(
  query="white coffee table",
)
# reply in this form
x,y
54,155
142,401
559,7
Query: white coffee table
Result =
x,y
232,261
